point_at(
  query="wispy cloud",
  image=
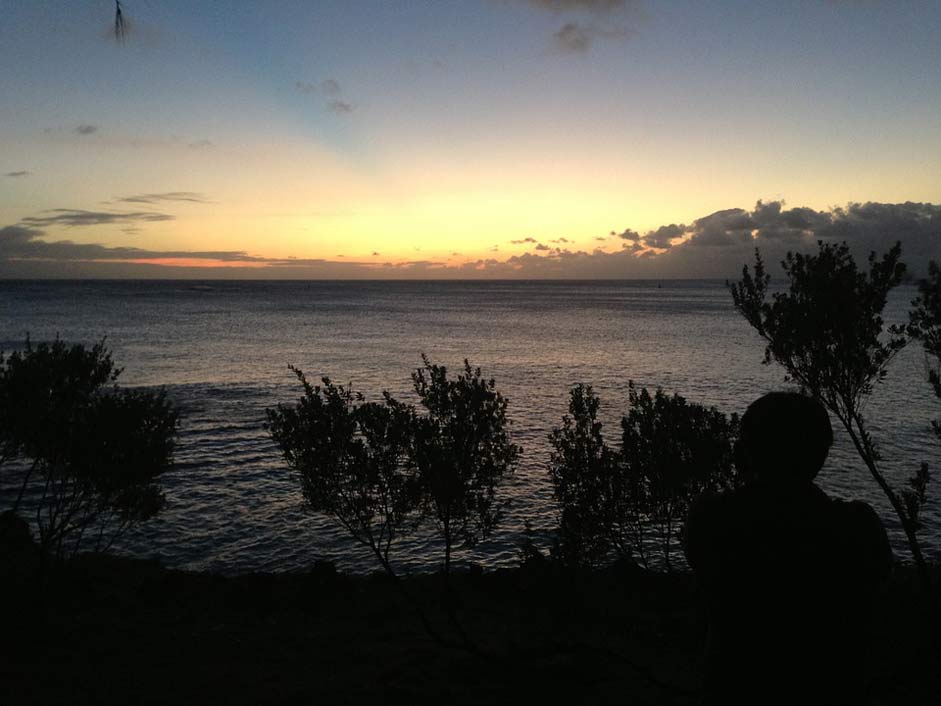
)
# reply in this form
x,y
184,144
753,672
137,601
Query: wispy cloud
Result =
x,y
18,175
329,88
80,217
591,20
524,240
185,196
27,243
85,129
338,106
577,38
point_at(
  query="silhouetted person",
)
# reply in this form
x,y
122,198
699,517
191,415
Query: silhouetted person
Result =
x,y
787,572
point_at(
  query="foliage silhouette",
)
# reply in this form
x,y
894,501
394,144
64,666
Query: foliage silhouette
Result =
x,y
380,469
92,451
827,332
632,500
680,450
352,460
925,325
597,513
461,449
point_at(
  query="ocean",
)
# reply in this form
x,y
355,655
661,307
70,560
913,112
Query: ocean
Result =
x,y
222,349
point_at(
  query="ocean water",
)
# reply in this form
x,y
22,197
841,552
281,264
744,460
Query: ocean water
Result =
x,y
222,350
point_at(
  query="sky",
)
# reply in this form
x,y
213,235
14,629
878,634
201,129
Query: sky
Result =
x,y
463,138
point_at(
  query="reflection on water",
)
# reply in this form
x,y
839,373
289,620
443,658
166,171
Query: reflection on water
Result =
x,y
222,350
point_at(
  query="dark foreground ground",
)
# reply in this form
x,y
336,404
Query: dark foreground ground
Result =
x,y
118,631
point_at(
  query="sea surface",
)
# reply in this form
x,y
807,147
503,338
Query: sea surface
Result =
x,y
222,350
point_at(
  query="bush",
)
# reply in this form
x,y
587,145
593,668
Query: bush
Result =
x,y
596,515
631,502
92,451
352,461
679,450
462,451
925,325
381,469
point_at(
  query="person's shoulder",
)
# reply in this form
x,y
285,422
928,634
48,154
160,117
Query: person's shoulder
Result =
x,y
865,536
856,513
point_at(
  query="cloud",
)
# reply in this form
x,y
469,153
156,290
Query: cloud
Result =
x,y
331,89
80,217
86,129
577,38
27,243
573,38
560,240
187,196
663,236
19,174
328,87
713,246
607,20
524,240
375,254
627,234
200,144
341,107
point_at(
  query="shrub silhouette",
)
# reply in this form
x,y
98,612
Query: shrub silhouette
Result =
x,y
827,332
462,451
925,326
631,502
381,469
92,451
598,513
352,460
680,450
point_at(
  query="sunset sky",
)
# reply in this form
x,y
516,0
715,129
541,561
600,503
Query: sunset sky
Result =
x,y
462,138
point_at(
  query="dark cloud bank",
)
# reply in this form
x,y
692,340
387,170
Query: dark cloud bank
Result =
x,y
715,246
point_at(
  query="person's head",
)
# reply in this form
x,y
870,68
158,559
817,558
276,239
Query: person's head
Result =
x,y
784,438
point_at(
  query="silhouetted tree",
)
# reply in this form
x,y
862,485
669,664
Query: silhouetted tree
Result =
x,y
827,331
92,451
461,449
612,501
352,460
925,326
600,507
679,450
